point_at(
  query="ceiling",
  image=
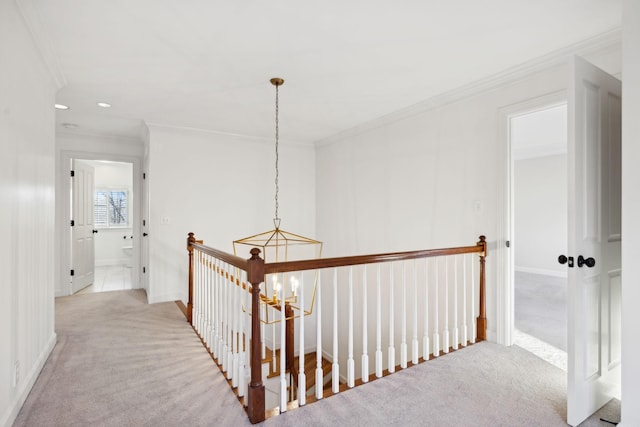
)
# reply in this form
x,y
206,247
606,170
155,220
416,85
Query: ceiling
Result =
x,y
206,64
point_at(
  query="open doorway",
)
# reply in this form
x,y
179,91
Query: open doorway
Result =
x,y
121,252
112,205
539,218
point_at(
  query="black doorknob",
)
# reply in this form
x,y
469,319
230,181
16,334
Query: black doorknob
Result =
x,y
95,231
563,259
145,234
589,262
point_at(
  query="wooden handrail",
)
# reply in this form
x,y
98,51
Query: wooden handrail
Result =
x,y
234,260
312,264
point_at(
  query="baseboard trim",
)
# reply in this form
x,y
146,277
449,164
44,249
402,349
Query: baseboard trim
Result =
x,y
21,397
542,271
153,299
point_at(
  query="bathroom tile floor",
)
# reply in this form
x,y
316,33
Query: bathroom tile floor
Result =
x,y
109,278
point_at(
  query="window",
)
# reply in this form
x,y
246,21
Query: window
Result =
x,y
110,208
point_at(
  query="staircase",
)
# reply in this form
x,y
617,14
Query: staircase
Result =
x,y
272,376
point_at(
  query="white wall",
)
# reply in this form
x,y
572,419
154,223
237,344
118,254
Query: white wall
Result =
x,y
540,211
414,182
26,218
220,187
109,242
93,147
630,214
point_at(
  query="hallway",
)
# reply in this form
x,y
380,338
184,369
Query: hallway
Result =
x,y
120,361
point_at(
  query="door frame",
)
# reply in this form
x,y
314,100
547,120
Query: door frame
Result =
x,y
62,221
504,255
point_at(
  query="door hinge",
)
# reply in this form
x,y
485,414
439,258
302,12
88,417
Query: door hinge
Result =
x,y
73,173
144,175
73,223
144,269
72,272
508,243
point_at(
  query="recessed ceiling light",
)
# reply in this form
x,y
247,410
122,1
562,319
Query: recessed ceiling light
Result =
x,y
104,104
61,107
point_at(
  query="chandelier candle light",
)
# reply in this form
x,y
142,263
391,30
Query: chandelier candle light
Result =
x,y
278,245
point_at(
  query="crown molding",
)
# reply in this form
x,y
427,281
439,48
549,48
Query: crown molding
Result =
x,y
82,134
253,138
42,42
601,43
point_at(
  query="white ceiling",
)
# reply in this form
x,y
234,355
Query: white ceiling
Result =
x,y
206,64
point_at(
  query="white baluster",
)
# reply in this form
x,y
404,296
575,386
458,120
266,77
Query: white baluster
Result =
x,y
235,338
207,278
445,327
319,372
335,367
223,320
196,294
425,338
241,336
302,376
378,327
263,331
283,351
215,307
464,337
455,303
202,301
436,304
365,354
392,349
473,303
227,358
274,365
207,301
350,361
209,284
246,364
414,342
403,338
219,311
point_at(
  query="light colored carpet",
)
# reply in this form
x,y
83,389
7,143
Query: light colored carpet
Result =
x,y
121,362
541,307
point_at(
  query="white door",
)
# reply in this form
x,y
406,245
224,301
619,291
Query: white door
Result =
x,y
144,271
593,340
82,231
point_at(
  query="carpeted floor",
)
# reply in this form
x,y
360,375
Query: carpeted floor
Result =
x,y
121,362
541,307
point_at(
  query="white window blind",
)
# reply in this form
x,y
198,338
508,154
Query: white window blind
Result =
x,y
111,208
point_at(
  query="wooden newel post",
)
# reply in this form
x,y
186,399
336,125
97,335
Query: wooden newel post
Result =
x,y
190,240
481,325
255,276
290,336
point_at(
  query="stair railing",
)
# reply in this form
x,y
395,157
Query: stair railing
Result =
x,y
224,309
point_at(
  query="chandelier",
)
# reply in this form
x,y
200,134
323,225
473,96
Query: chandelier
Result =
x,y
278,245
